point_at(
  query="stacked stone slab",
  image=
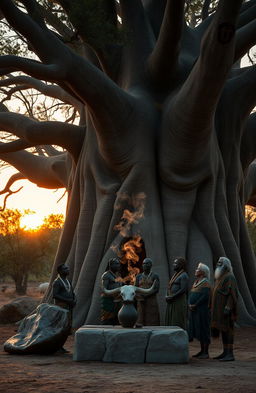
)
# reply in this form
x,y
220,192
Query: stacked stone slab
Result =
x,y
151,344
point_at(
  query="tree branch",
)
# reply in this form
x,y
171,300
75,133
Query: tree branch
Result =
x,y
248,13
162,65
246,38
188,121
11,181
205,9
53,91
248,143
243,88
155,11
104,98
250,185
34,133
48,172
140,39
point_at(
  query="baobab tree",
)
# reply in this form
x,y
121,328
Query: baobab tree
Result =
x,y
165,145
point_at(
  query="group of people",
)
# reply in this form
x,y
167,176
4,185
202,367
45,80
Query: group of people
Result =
x,y
211,310
204,311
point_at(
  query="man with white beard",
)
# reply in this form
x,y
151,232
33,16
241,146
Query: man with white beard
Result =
x,y
224,305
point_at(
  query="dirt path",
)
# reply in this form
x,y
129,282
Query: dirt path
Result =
x,y
59,373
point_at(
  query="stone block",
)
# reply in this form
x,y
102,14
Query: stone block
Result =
x,y
126,345
168,346
89,344
152,344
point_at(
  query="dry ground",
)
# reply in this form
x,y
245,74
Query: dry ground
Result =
x,y
59,373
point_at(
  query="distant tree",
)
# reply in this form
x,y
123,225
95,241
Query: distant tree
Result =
x,y
53,221
25,252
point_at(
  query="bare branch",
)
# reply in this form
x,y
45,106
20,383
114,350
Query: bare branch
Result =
x,y
53,91
41,133
189,121
11,181
246,38
155,11
48,172
247,14
205,9
248,145
140,39
162,65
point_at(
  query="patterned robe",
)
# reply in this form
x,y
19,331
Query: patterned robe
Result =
x,y
225,293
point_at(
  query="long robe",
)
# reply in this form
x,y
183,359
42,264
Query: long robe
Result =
x,y
225,294
176,311
199,318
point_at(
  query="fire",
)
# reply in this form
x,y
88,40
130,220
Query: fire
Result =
x,y
130,250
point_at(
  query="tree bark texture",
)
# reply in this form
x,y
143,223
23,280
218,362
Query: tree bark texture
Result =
x,y
170,127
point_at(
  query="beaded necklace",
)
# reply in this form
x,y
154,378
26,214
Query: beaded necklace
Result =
x,y
66,284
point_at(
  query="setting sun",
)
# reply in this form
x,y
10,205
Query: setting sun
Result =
x,y
30,222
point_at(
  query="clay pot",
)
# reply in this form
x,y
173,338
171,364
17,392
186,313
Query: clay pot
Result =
x,y
127,315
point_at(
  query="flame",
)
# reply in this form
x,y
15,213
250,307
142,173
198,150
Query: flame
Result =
x,y
130,250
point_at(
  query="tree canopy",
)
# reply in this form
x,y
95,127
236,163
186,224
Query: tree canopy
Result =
x,y
164,146
25,252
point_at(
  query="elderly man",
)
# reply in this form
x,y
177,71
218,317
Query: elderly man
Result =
x,y
147,307
176,311
224,307
199,307
111,305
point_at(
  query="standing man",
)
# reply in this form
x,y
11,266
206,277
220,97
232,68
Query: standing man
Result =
x,y
63,294
147,307
110,305
199,307
224,307
176,311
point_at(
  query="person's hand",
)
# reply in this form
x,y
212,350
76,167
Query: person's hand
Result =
x,y
192,307
227,310
169,299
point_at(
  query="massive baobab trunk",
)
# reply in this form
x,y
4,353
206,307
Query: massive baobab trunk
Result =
x,y
165,133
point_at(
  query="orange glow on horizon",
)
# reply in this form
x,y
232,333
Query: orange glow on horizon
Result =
x,y
31,222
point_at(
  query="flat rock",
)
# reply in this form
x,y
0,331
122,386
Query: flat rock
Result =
x,y
151,344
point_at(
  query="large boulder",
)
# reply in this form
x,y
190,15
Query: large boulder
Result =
x,y
17,309
43,332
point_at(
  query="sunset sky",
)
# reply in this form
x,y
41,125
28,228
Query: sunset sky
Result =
x,y
40,200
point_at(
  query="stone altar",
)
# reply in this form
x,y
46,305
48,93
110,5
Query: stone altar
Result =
x,y
150,344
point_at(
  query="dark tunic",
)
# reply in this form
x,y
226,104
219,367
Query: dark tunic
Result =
x,y
199,318
147,307
64,296
225,293
176,311
110,305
